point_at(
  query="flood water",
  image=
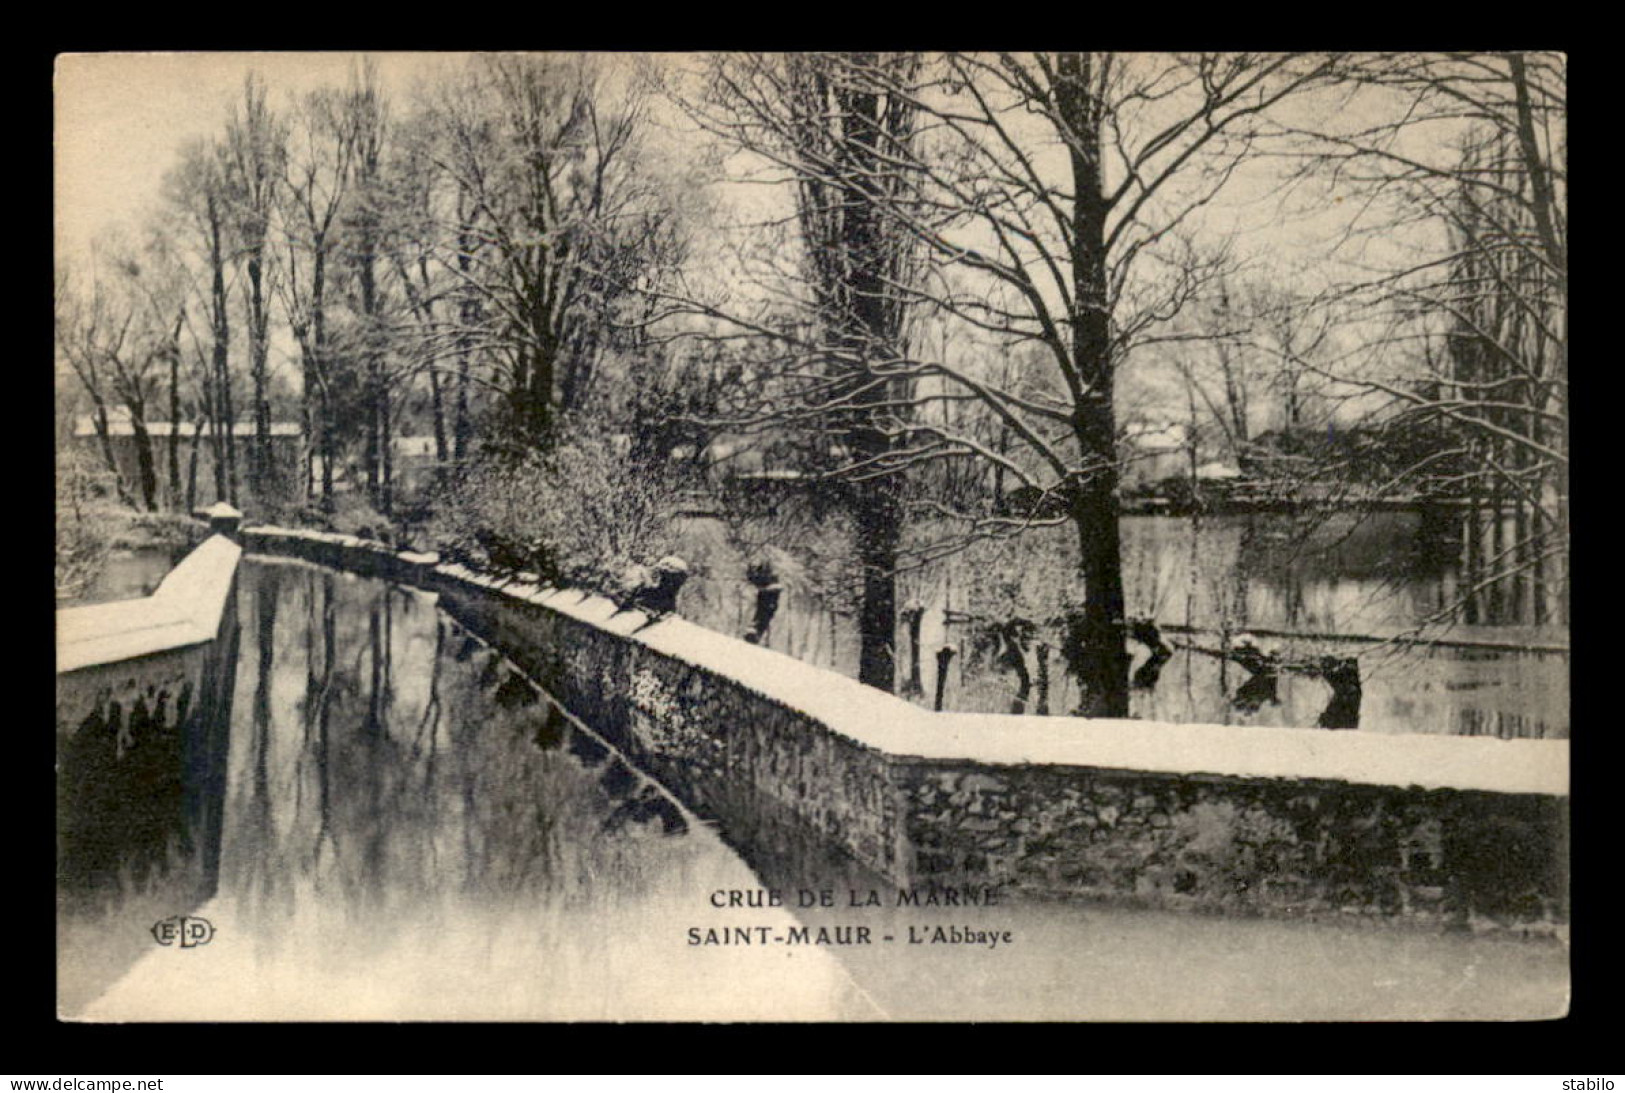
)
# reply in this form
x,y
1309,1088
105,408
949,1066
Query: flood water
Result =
x,y
1380,588
130,574
412,831
398,844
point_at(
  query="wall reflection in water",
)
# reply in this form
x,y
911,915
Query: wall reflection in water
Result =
x,y
413,831
140,786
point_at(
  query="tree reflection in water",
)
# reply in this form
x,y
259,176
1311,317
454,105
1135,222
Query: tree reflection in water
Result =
x,y
375,794
412,830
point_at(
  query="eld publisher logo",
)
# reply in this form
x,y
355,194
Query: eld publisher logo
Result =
x,y
187,930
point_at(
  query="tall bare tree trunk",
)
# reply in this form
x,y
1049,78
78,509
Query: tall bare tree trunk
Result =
x,y
373,395
145,461
318,334
173,443
849,133
1100,645
876,507
468,314
225,418
261,471
104,438
437,401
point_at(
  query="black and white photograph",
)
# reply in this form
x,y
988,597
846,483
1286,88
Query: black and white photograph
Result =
x,y
811,537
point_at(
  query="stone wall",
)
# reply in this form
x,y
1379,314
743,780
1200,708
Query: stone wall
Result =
x,y
143,709
1425,828
1289,846
147,660
728,751
143,700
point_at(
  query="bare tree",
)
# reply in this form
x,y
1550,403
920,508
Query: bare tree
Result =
x,y
413,239
1044,189
83,328
546,207
367,120
198,195
1289,327
321,148
1466,338
120,334
253,152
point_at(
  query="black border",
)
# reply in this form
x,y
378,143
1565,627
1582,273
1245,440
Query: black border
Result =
x,y
41,1045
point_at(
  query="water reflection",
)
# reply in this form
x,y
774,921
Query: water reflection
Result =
x,y
356,781
412,830
140,788
1348,587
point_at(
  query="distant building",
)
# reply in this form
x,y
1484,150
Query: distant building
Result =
x,y
414,447
1216,469
415,461
286,440
119,425
1152,451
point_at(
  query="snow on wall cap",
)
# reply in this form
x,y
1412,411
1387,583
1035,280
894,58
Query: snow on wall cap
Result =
x,y
671,563
222,511
185,609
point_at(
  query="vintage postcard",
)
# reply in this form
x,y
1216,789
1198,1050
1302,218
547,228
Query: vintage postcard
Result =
x,y
812,537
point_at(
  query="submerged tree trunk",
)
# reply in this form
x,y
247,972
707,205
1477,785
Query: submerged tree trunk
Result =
x,y
1102,660
878,536
913,618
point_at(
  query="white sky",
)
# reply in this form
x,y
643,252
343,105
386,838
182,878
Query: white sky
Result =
x,y
121,117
